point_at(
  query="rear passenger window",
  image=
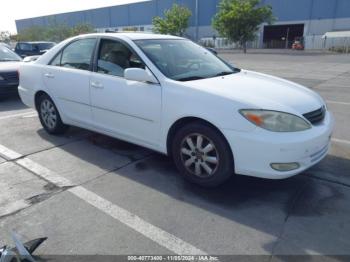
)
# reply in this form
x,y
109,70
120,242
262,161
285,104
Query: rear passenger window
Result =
x,y
78,54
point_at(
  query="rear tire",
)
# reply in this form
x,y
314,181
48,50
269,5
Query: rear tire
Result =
x,y
202,154
49,116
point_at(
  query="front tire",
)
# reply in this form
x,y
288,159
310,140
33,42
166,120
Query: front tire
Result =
x,y
49,116
202,155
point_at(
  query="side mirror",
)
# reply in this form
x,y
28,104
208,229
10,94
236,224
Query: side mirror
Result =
x,y
140,75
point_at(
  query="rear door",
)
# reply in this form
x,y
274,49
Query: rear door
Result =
x,y
68,80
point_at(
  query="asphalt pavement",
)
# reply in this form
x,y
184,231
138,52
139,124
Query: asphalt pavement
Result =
x,y
91,194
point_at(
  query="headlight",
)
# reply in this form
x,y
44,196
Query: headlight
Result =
x,y
275,121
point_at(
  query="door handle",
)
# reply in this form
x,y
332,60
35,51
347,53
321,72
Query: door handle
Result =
x,y
49,75
96,84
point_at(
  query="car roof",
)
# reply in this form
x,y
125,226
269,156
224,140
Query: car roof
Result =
x,y
134,36
126,36
36,42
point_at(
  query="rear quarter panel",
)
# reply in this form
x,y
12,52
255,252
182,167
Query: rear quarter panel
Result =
x,y
30,82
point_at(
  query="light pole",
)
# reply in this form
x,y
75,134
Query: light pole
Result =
x,y
287,37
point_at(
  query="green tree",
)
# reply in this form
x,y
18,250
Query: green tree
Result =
x,y
239,20
5,36
82,29
32,33
55,32
175,21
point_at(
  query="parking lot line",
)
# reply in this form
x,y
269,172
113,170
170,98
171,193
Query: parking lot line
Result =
x,y
337,102
8,154
26,114
150,231
159,236
34,114
44,173
342,141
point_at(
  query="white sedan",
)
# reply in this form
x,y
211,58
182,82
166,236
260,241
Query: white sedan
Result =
x,y
168,94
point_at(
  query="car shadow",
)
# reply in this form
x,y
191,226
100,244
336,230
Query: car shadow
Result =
x,y
11,103
264,205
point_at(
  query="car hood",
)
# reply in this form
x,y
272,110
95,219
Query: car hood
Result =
x,y
9,66
260,91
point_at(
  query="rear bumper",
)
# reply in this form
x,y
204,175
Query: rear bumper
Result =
x,y
255,151
27,96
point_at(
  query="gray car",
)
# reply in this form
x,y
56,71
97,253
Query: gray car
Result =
x,y
9,64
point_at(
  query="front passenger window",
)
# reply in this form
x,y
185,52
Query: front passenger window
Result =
x,y
78,54
114,57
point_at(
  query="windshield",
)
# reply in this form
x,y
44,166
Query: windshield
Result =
x,y
183,60
7,55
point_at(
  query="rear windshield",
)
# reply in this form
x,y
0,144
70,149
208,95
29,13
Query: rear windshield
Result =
x,y
7,55
24,46
34,46
45,46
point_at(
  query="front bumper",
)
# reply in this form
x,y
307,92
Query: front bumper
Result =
x,y
255,151
8,88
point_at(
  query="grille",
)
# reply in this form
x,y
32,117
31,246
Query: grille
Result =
x,y
316,116
9,76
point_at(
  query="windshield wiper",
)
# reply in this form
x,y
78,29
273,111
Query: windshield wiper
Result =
x,y
190,78
224,73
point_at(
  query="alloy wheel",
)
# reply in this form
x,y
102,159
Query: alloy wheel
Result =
x,y
199,155
48,113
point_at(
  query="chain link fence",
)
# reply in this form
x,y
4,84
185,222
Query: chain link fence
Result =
x,y
224,43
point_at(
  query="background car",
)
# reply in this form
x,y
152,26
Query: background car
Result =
x,y
24,49
9,64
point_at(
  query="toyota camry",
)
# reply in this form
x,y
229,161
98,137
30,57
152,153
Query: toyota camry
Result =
x,y
173,96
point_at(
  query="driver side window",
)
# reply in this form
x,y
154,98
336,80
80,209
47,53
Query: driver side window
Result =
x,y
114,57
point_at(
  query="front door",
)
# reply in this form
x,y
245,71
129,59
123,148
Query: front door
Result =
x,y
128,109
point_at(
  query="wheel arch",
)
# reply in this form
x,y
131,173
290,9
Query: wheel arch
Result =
x,y
37,95
185,121
60,127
